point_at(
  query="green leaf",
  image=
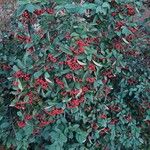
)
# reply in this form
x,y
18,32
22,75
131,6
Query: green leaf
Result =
x,y
21,9
28,130
54,146
113,133
59,1
81,136
20,85
15,68
19,114
85,75
63,72
126,31
89,6
19,136
66,50
1,117
118,69
4,125
106,5
28,45
54,135
74,34
38,74
31,8
141,140
20,64
62,138
97,83
25,58
121,16
46,75
98,9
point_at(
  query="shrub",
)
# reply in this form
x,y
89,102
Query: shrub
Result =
x,y
72,80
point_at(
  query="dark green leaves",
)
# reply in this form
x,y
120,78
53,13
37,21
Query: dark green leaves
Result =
x,y
73,8
38,74
106,5
29,7
126,31
21,9
103,8
81,136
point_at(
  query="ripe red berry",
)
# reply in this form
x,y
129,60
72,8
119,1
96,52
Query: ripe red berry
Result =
x,y
21,124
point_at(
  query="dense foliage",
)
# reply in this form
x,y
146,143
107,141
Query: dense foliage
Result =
x,y
73,77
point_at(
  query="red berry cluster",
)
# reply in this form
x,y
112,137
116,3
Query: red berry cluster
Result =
x,y
118,45
30,96
55,111
23,38
107,90
44,123
6,67
114,108
130,37
109,74
41,82
59,82
81,43
119,24
85,89
103,116
21,75
104,131
90,40
133,30
114,121
41,118
30,50
130,10
75,102
73,64
26,14
132,53
21,124
52,58
15,83
132,81
74,92
94,126
50,10
67,36
39,12
28,117
92,67
90,80
20,105
114,14
69,76
80,47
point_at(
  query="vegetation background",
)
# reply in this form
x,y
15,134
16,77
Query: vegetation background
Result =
x,y
8,7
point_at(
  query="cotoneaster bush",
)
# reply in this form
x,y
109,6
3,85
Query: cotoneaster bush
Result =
x,y
73,80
